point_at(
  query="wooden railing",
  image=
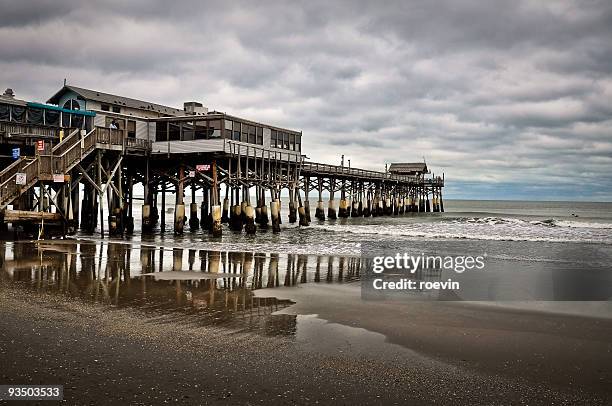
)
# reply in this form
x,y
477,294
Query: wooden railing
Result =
x,y
109,136
326,169
137,143
10,128
66,143
9,189
315,168
63,158
11,170
78,148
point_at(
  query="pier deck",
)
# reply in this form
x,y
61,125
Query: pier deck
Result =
x,y
67,172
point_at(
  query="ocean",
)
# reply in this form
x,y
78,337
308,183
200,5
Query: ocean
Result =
x,y
535,251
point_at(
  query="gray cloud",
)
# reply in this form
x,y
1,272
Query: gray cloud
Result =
x,y
501,93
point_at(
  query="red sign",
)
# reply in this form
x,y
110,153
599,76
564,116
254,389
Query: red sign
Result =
x,y
203,168
40,145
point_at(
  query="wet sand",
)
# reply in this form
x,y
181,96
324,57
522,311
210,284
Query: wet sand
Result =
x,y
247,328
121,356
553,350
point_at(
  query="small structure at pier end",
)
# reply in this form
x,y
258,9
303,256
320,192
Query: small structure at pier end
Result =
x,y
74,163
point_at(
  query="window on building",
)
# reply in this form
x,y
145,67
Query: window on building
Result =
x,y
161,132
116,109
76,121
187,130
244,134
174,132
229,126
252,139
200,131
131,129
298,142
292,142
236,136
259,135
273,138
215,128
72,105
105,107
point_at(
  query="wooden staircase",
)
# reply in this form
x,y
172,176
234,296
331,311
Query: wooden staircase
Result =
x,y
63,158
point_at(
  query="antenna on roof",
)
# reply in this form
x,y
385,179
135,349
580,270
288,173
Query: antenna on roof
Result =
x,y
64,81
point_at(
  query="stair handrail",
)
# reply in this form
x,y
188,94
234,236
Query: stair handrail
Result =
x,y
11,181
59,161
75,144
65,140
9,168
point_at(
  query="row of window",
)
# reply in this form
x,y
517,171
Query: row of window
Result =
x,y
284,140
233,130
107,107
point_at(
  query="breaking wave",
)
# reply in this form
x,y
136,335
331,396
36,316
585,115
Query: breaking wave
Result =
x,y
485,228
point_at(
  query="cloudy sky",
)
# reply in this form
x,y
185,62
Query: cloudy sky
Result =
x,y
511,99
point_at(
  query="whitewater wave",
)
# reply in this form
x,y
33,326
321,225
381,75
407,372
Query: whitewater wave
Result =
x,y
485,228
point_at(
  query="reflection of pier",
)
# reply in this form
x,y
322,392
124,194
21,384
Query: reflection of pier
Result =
x,y
197,287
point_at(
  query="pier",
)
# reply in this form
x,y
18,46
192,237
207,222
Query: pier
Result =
x,y
86,151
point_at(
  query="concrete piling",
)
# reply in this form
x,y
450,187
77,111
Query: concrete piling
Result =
x,y
292,208
342,209
249,226
216,221
331,210
179,219
226,204
319,211
275,216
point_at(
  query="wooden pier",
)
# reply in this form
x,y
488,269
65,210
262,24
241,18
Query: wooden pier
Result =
x,y
239,168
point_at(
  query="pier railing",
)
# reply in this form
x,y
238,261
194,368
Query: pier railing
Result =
x,y
8,128
338,171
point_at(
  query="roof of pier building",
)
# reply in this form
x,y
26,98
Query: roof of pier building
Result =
x,y
8,97
408,168
114,100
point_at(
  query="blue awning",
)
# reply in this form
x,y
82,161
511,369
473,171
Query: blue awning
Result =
x,y
50,107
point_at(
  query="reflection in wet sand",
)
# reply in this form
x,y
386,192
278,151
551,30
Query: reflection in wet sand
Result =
x,y
194,287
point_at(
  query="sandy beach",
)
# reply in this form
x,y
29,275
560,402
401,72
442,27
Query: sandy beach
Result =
x,y
115,356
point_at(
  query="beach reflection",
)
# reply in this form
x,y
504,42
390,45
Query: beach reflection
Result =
x,y
173,285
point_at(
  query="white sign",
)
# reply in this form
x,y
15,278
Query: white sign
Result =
x,y
192,174
20,178
58,177
203,168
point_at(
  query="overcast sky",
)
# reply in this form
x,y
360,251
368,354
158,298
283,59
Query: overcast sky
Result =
x,y
511,99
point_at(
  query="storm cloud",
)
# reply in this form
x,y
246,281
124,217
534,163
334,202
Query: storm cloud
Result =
x,y
508,99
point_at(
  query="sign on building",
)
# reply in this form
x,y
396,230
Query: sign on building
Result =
x,y
192,174
58,177
16,153
203,168
40,145
20,178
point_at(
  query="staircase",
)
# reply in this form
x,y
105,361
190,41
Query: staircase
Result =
x,y
64,157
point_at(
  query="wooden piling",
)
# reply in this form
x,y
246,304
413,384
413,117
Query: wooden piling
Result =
x,y
216,208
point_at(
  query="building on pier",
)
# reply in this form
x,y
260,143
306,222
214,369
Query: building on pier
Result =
x,y
408,169
64,165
